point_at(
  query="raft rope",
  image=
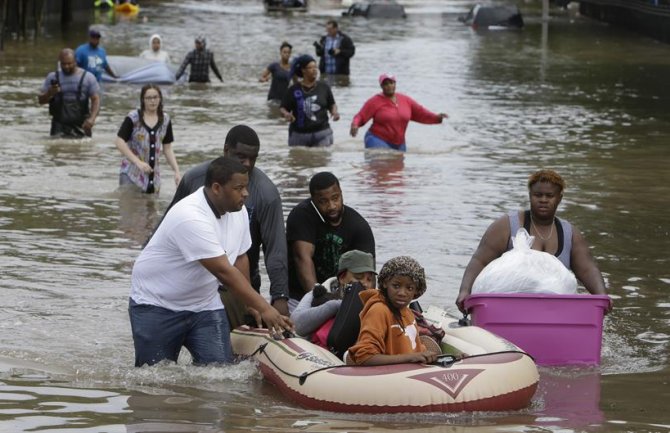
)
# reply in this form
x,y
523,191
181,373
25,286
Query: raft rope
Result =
x,y
301,378
445,364
498,353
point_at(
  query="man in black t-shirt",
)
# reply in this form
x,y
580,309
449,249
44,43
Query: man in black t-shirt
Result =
x,y
318,231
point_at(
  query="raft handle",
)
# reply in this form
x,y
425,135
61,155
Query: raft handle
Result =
x,y
260,349
464,321
445,360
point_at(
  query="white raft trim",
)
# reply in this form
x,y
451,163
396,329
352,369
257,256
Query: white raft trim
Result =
x,y
315,378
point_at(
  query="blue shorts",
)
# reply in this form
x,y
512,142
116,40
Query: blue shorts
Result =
x,y
159,333
374,142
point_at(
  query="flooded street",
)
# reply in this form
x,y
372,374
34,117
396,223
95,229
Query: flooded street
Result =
x,y
578,96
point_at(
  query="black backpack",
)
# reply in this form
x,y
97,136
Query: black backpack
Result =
x,y
347,324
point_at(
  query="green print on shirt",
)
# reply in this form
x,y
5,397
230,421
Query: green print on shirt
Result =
x,y
327,255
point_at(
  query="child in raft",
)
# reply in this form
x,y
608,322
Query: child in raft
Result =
x,y
318,306
389,333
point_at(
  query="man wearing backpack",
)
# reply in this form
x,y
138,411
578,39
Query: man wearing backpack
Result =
x,y
73,95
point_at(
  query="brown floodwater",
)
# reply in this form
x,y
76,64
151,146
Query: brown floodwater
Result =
x,y
575,95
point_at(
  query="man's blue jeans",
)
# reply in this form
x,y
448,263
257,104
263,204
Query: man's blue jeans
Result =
x,y
159,333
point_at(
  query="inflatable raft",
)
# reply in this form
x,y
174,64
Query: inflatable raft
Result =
x,y
493,374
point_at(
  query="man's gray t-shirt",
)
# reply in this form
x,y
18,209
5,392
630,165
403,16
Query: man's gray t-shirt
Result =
x,y
70,83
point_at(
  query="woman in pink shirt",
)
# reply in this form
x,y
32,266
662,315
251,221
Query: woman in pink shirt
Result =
x,y
391,112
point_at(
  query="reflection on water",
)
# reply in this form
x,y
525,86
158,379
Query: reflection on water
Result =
x,y
138,213
573,95
566,399
570,397
34,405
300,165
383,171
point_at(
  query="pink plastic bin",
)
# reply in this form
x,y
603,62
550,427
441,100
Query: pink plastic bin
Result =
x,y
554,329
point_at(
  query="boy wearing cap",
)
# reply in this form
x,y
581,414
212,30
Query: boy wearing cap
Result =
x,y
354,266
92,57
200,59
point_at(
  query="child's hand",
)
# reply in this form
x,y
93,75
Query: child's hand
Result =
x,y
426,357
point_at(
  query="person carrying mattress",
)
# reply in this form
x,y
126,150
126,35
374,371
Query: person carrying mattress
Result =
x,y
200,59
155,51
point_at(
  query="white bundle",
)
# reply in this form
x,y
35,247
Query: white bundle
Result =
x,y
524,270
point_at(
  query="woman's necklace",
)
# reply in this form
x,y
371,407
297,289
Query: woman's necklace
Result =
x,y
551,231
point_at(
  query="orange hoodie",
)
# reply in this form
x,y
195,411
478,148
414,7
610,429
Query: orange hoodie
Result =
x,y
380,331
